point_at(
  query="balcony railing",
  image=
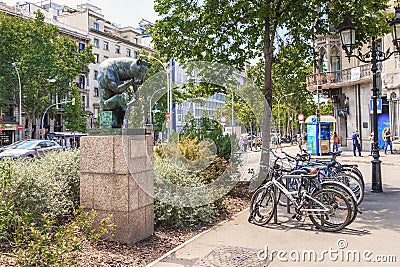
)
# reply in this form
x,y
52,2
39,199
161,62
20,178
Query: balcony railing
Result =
x,y
340,76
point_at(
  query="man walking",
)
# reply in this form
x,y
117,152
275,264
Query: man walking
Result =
x,y
388,140
356,143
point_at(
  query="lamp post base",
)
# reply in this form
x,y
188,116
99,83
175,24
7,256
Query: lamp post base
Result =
x,y
376,176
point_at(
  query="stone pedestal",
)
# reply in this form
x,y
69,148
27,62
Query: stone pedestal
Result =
x,y
117,178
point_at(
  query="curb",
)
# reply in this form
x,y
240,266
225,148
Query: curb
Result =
x,y
192,239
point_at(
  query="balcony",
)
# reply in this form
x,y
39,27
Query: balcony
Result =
x,y
340,78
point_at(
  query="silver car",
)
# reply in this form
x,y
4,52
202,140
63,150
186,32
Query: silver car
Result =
x,y
30,148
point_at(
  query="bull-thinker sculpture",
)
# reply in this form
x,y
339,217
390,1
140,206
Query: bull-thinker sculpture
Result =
x,y
115,76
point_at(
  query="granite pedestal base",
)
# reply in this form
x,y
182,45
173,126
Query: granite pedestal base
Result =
x,y
117,178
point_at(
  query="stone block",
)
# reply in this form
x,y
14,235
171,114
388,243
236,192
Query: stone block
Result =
x,y
97,154
149,219
134,190
86,190
120,154
137,148
110,192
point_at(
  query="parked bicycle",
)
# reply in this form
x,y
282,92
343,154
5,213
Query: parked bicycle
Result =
x,y
328,208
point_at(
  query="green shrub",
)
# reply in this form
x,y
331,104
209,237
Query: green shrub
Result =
x,y
45,243
49,185
174,172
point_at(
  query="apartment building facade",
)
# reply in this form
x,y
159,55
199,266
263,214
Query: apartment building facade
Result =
x,y
348,83
87,26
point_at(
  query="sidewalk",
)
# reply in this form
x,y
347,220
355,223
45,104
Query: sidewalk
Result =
x,y
370,240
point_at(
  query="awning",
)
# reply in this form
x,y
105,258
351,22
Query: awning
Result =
x,y
324,118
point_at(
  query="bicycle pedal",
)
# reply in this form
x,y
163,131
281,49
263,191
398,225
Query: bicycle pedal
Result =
x,y
297,217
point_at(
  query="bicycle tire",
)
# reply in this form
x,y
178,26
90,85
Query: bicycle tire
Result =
x,y
354,171
339,208
353,183
262,205
348,193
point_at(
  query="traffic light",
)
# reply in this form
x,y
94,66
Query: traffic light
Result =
x,y
318,115
73,101
326,93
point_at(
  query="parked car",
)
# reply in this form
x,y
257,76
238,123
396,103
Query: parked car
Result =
x,y
30,148
3,148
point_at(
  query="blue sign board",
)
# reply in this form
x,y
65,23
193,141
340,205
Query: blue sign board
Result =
x,y
378,105
313,138
383,123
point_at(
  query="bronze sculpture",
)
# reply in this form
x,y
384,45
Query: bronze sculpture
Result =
x,y
116,76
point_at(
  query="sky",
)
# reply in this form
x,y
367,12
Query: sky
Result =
x,y
123,12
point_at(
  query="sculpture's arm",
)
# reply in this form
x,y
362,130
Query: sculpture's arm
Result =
x,y
123,87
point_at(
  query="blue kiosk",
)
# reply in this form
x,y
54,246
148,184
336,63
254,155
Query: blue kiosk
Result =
x,y
313,142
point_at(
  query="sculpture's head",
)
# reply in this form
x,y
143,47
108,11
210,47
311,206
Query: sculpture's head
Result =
x,y
143,67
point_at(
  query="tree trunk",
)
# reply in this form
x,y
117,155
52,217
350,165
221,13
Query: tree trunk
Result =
x,y
266,127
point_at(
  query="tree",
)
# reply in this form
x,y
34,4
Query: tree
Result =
x,y
233,32
47,62
74,113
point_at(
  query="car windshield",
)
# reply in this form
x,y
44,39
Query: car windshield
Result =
x,y
26,145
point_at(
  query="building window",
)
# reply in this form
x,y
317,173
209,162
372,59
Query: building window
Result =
x,y
135,41
128,52
84,101
117,49
81,82
97,58
81,46
134,54
105,46
96,42
96,91
105,57
95,75
96,26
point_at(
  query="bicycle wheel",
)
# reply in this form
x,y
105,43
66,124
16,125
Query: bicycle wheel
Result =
x,y
262,205
353,183
338,210
345,190
355,171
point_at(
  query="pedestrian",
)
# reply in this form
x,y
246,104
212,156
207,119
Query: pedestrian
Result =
x,y
300,142
356,143
371,140
245,143
388,140
63,143
335,139
273,140
279,142
241,143
305,139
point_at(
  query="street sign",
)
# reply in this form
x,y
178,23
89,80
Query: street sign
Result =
x,y
300,117
167,115
378,106
20,127
222,119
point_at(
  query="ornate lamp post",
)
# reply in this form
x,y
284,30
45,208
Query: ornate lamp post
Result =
x,y
347,34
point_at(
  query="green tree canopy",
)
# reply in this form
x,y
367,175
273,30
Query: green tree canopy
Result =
x,y
233,32
47,61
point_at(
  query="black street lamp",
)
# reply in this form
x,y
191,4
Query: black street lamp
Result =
x,y
347,35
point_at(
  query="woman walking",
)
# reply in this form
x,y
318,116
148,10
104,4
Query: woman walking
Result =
x,y
335,140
